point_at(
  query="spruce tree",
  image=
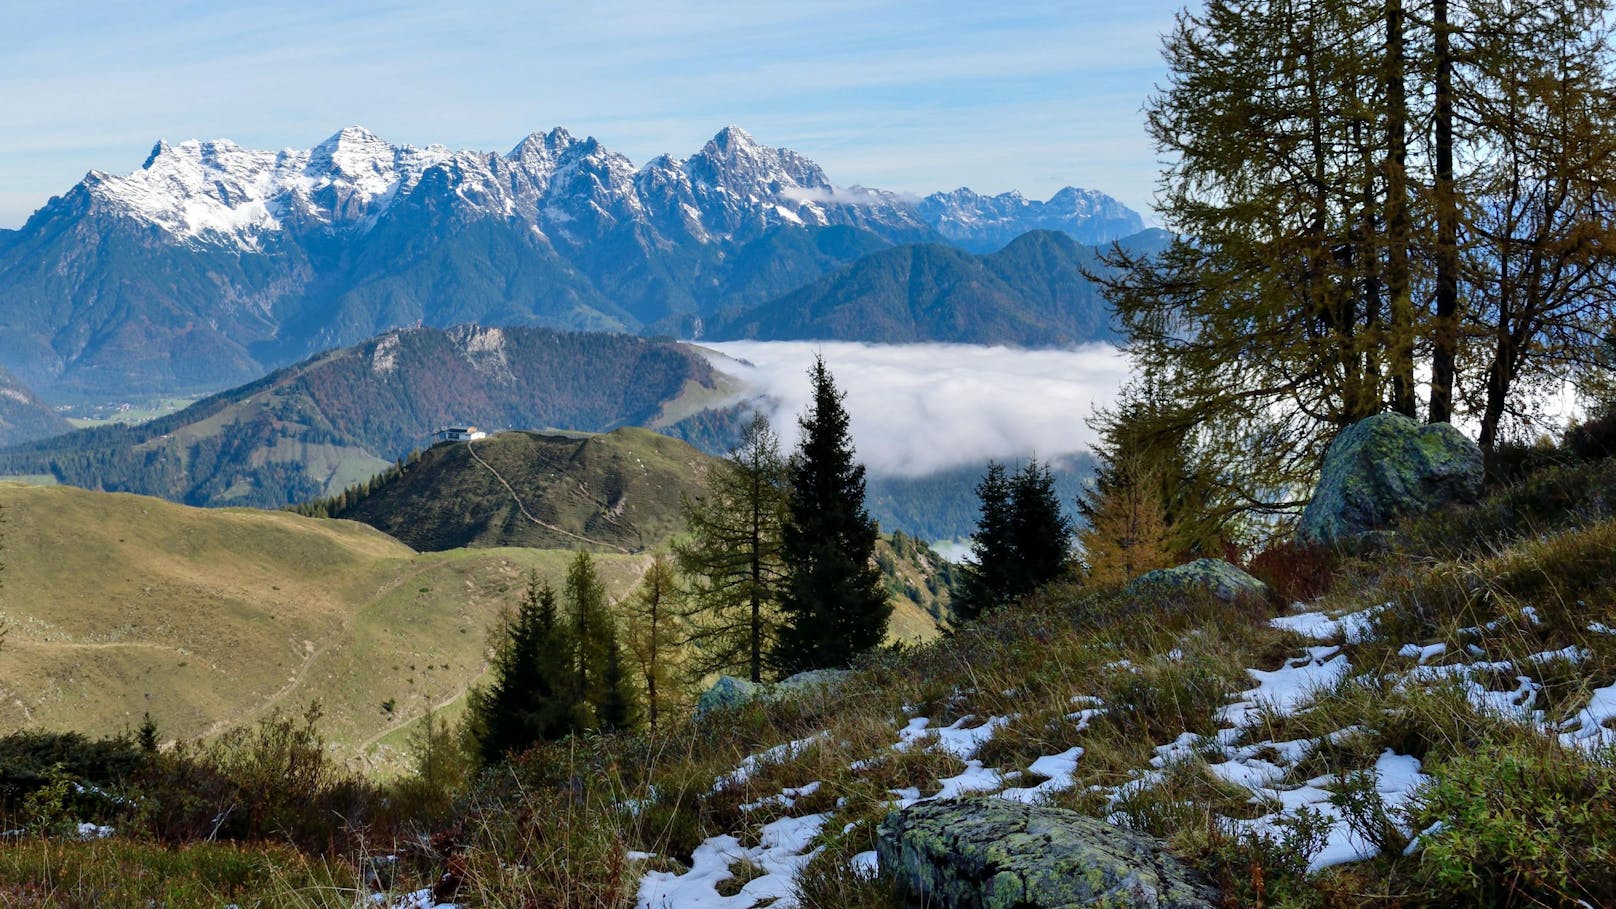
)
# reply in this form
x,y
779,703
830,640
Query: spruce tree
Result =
x,y
1040,532
530,697
1022,541
616,706
985,581
834,604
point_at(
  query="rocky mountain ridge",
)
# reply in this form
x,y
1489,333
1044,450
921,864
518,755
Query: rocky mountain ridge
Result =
x,y
213,263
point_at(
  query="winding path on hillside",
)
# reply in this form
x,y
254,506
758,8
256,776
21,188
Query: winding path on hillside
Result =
x,y
471,447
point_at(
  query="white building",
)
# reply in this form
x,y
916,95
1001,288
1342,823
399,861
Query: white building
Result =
x,y
460,434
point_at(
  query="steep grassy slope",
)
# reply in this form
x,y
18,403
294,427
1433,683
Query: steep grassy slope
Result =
x,y
616,492
338,418
119,605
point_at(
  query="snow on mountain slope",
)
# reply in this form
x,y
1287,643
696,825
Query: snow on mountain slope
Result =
x,y
217,193
985,223
222,193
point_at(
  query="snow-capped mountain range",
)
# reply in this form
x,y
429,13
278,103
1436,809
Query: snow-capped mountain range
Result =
x,y
212,262
219,193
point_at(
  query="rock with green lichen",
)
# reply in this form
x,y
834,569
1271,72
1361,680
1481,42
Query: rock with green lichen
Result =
x,y
994,854
1386,467
730,692
1215,576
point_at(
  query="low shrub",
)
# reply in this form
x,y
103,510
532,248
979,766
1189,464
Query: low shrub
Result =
x,y
1525,824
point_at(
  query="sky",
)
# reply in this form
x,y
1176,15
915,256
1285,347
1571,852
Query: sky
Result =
x,y
912,97
914,409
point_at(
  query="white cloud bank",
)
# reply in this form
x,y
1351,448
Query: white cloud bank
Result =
x,y
920,408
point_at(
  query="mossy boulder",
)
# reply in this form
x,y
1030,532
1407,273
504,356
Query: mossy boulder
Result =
x,y
730,692
1386,467
995,854
1214,576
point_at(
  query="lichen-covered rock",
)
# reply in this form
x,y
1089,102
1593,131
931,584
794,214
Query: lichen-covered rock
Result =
x,y
1215,576
995,854
729,692
1386,467
813,678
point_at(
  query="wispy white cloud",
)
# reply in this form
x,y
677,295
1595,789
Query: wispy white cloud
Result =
x,y
845,195
919,408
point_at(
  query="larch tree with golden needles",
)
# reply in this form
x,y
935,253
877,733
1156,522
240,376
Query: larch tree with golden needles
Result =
x,y
731,558
653,615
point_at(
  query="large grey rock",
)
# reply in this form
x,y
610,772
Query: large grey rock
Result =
x,y
729,692
1386,467
813,678
1215,576
994,854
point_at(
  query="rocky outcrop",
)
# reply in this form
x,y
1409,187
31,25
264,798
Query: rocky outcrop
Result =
x,y
1387,467
1214,576
994,854
730,692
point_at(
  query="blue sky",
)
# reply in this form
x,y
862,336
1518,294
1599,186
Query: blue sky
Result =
x,y
913,97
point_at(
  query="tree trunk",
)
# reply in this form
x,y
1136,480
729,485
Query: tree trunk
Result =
x,y
1401,346
755,657
1445,348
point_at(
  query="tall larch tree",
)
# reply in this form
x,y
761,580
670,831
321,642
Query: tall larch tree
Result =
x,y
654,615
1368,192
835,603
732,560
595,646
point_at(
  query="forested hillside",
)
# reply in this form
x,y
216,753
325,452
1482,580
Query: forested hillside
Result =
x,y
318,427
1031,293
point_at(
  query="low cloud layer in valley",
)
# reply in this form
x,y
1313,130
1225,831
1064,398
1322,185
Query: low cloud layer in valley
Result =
x,y
920,408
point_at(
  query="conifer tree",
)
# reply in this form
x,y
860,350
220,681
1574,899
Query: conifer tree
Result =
x,y
986,579
593,639
615,705
732,557
835,603
1127,533
652,615
1368,190
1040,531
1022,542
530,697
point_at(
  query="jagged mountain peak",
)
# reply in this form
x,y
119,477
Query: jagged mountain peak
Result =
x,y
543,149
354,150
732,140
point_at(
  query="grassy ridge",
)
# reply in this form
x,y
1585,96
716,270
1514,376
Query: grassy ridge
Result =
x,y
121,604
616,492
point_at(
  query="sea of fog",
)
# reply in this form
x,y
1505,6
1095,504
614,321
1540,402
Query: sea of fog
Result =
x,y
916,409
